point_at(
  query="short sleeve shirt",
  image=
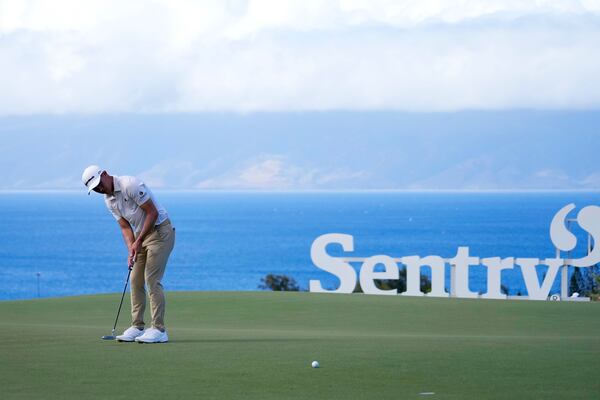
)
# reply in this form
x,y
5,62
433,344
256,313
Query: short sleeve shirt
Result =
x,y
129,194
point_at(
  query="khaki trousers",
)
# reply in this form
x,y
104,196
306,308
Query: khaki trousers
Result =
x,y
149,269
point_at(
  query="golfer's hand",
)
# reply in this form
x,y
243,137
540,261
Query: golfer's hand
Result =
x,y
133,252
130,260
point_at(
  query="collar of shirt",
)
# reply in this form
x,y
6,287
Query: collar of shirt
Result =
x,y
116,186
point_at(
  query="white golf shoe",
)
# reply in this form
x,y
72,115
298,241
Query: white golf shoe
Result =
x,y
153,335
130,334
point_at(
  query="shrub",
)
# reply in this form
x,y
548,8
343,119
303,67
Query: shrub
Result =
x,y
585,281
278,283
399,284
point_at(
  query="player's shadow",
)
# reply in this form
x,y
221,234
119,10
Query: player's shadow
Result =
x,y
240,340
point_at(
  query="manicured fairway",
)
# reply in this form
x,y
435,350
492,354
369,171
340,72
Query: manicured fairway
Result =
x,y
259,345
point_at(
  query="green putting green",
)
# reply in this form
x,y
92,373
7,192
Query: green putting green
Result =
x,y
260,345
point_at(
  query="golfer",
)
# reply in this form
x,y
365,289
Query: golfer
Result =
x,y
149,237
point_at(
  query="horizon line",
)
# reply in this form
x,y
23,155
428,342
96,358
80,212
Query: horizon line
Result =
x,y
299,191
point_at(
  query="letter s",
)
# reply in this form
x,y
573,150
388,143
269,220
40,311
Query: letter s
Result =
x,y
589,219
562,238
333,265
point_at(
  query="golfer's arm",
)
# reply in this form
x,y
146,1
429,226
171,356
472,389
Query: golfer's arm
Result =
x,y
127,232
151,217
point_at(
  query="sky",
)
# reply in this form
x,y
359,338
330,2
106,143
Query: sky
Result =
x,y
302,95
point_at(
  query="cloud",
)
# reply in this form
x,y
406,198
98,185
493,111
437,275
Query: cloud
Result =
x,y
244,56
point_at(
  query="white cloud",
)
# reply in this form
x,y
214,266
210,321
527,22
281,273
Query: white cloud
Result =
x,y
190,56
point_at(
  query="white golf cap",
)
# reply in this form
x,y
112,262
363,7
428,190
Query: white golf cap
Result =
x,y
91,177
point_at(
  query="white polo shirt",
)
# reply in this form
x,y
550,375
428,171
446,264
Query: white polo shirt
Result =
x,y
129,194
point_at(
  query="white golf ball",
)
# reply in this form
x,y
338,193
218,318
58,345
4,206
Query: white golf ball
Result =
x,y
315,364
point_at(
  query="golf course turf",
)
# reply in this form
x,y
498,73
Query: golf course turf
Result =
x,y
260,345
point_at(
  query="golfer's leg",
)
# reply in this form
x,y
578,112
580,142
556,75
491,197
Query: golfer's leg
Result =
x,y
138,293
159,250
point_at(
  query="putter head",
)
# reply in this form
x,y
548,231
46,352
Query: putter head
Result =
x,y
110,337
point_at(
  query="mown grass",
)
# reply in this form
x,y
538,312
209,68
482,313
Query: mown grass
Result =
x,y
259,345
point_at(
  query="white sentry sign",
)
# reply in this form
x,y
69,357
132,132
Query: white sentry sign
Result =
x,y
588,219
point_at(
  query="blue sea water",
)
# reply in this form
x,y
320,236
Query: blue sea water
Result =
x,y
229,241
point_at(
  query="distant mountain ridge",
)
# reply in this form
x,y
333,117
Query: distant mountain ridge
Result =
x,y
338,150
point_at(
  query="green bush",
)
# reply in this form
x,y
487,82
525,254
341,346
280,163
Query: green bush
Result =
x,y
279,283
399,284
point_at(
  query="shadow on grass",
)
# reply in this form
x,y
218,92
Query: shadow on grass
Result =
x,y
241,340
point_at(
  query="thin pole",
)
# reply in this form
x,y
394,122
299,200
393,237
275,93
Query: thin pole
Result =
x,y
38,284
564,281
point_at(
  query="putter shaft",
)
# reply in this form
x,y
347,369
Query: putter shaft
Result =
x,y
112,336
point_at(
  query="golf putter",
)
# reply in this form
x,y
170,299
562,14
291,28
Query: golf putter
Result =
x,y
112,335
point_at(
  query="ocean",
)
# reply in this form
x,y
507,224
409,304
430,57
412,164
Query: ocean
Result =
x,y
67,243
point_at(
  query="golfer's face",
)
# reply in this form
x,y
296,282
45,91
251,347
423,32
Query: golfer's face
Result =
x,y
99,188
